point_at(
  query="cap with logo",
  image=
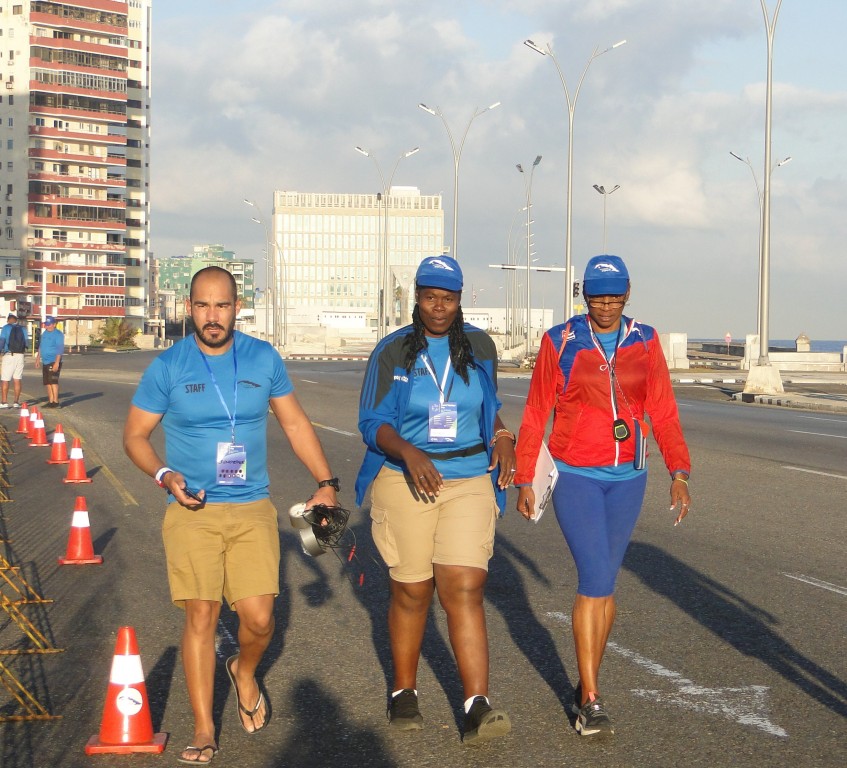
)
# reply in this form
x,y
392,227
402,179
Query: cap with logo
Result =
x,y
439,272
605,276
49,320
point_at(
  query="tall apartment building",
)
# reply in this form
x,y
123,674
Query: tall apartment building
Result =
x,y
74,149
332,250
173,278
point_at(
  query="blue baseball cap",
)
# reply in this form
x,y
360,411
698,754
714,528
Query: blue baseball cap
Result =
x,y
440,272
49,320
605,276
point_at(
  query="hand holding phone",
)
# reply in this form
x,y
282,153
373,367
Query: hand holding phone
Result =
x,y
193,494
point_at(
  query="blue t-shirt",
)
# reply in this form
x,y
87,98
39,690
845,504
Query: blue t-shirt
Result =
x,y
468,399
52,345
178,385
6,335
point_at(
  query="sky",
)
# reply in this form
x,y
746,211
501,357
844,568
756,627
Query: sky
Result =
x,y
249,98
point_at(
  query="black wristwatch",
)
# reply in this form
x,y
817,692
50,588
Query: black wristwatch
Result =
x,y
333,481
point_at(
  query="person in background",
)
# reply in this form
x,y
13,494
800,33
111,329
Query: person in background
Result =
x,y
440,459
51,348
602,374
212,392
13,344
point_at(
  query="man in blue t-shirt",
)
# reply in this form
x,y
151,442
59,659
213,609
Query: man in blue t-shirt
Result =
x,y
51,347
13,344
211,392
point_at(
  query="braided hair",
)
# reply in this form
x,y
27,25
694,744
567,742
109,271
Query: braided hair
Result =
x,y
461,353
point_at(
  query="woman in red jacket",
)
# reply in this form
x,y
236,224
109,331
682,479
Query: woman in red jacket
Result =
x,y
604,374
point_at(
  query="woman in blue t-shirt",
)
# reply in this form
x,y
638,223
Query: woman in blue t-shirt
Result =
x,y
440,459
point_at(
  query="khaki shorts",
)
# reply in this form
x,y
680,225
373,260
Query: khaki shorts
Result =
x,y
12,366
412,534
222,549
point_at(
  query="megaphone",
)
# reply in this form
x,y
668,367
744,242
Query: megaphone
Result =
x,y
320,527
305,527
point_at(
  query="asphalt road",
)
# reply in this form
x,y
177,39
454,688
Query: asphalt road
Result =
x,y
728,650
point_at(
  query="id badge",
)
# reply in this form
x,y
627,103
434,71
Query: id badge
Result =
x,y
443,422
231,466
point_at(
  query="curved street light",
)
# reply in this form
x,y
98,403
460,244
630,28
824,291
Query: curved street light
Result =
x,y
457,156
746,161
260,219
382,267
548,51
529,252
763,378
605,192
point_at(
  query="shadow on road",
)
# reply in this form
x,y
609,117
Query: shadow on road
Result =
x,y
737,622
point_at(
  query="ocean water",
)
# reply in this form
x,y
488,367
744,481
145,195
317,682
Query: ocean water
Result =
x,y
817,345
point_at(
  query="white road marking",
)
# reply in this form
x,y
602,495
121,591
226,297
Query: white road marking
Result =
x,y
741,705
817,583
818,434
521,397
817,472
822,418
333,429
309,381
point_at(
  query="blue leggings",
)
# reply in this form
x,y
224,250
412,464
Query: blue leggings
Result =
x,y
598,518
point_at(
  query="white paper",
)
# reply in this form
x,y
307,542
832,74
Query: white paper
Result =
x,y
544,481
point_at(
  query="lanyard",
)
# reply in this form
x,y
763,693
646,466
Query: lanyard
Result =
x,y
230,416
611,362
447,368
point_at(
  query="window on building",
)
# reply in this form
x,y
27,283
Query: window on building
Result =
x,y
11,99
10,143
9,233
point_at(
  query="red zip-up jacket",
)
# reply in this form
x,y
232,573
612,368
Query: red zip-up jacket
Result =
x,y
575,380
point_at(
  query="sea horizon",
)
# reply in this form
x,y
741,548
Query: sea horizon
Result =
x,y
817,345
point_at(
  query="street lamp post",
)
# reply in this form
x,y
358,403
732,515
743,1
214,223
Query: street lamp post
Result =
x,y
512,291
528,183
763,377
382,246
605,192
548,51
746,161
457,156
272,242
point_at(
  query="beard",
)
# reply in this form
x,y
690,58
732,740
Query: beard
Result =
x,y
221,341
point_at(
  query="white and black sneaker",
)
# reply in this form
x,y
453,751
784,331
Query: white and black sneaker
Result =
x,y
592,719
4,405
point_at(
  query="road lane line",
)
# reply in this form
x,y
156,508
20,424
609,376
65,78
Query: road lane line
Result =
x,y
506,394
333,429
818,434
817,583
309,381
120,488
745,705
821,418
817,472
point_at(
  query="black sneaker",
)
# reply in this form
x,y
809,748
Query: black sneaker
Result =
x,y
483,722
593,720
403,712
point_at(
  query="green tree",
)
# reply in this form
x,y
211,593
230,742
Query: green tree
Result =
x,y
116,332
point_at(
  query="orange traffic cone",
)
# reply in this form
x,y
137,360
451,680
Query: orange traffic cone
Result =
x,y
76,465
59,454
33,417
126,725
80,549
39,435
23,421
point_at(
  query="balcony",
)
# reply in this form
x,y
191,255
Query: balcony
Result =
x,y
70,245
110,181
63,134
